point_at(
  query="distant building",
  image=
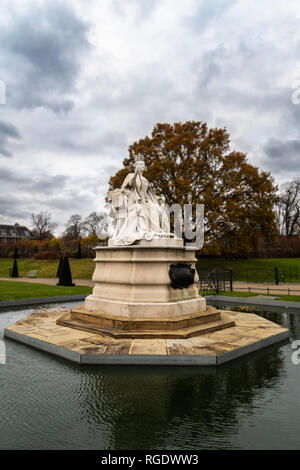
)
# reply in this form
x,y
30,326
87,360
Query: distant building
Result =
x,y
13,233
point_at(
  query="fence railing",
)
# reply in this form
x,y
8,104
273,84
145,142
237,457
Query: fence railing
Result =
x,y
215,280
221,280
269,290
278,274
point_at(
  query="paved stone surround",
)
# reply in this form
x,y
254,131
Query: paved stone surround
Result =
x,y
249,334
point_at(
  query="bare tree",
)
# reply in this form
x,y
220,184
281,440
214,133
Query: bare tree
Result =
x,y
97,224
74,227
288,210
42,225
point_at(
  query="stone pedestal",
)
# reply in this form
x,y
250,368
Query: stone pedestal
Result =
x,y
134,281
133,295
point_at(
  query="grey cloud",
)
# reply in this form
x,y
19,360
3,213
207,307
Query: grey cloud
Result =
x,y
44,192
7,132
43,52
80,144
47,184
206,12
145,95
283,156
110,170
240,75
8,177
35,184
144,8
210,67
12,206
142,100
71,202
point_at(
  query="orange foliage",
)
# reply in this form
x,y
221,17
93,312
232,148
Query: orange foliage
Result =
x,y
190,163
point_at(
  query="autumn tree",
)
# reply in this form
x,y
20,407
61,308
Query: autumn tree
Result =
x,y
74,227
58,245
42,224
96,223
288,208
88,243
190,163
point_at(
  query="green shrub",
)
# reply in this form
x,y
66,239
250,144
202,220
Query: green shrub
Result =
x,y
65,275
15,271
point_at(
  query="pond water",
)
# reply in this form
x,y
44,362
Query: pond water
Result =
x,y
50,403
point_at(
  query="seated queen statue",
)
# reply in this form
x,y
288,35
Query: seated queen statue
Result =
x,y
137,213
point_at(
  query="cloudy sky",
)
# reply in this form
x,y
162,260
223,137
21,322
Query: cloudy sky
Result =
x,y
85,78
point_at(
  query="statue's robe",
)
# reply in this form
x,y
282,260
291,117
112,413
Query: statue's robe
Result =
x,y
141,215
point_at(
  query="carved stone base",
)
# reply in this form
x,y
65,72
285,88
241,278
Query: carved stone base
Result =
x,y
139,273
183,326
144,309
133,295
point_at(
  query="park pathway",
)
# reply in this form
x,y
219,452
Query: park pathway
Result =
x,y
267,288
258,287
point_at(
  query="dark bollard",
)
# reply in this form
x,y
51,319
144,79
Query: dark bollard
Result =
x,y
276,276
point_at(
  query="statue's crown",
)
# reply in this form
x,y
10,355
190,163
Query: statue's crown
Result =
x,y
139,158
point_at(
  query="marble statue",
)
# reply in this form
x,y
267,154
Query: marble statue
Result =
x,y
137,213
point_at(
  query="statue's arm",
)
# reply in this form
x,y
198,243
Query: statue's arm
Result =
x,y
129,181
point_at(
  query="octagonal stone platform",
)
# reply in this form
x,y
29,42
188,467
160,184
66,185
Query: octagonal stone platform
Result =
x,y
250,333
183,326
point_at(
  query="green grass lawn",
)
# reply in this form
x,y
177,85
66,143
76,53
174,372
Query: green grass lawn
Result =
x,y
80,268
10,290
253,270
251,263
256,269
290,298
229,294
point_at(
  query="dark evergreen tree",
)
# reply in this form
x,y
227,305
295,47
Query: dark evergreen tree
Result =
x,y
16,254
59,267
36,249
15,272
65,276
79,251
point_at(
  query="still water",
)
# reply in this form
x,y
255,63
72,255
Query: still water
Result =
x,y
50,403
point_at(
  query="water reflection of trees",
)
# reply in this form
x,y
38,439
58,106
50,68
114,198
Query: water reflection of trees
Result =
x,y
152,407
287,320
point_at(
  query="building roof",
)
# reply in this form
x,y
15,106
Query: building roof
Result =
x,y
14,231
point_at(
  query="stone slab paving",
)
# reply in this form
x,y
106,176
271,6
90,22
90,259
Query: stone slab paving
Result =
x,y
251,333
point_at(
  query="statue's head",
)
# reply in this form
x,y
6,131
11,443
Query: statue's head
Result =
x,y
139,162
